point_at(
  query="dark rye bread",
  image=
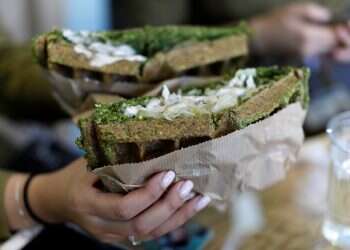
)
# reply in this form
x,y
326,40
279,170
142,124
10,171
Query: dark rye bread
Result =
x,y
170,51
138,140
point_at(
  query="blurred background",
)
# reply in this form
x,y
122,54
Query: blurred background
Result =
x,y
37,136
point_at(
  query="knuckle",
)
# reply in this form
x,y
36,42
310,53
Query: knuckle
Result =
x,y
183,218
152,193
107,238
140,229
186,215
122,212
125,214
172,204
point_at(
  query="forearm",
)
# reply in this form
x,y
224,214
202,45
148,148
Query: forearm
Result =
x,y
46,195
43,200
14,210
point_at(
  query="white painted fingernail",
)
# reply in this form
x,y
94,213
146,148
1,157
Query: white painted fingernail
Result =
x,y
185,189
190,196
202,203
168,178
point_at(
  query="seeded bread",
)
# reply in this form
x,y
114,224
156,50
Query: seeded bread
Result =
x,y
170,51
108,140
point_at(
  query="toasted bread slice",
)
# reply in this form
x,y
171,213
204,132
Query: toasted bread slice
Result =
x,y
169,51
122,139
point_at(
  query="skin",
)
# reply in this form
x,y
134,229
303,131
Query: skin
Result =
x,y
342,52
70,195
297,29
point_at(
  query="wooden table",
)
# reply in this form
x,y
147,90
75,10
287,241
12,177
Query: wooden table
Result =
x,y
287,224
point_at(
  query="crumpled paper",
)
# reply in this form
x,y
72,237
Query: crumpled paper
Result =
x,y
71,93
255,157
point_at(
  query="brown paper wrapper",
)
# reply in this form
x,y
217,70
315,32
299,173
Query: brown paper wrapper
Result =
x,y
255,157
71,93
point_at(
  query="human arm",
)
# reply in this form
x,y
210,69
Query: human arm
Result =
x,y
297,30
69,195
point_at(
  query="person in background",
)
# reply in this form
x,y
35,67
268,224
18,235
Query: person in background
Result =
x,y
286,28
70,195
312,33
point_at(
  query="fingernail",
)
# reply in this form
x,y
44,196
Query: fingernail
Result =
x,y
202,203
190,196
167,179
185,189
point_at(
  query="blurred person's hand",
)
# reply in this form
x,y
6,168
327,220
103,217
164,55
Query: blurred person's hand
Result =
x,y
297,29
342,51
70,195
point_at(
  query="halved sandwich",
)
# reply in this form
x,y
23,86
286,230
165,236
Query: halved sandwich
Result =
x,y
144,128
145,55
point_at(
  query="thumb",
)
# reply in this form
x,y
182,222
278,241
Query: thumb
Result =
x,y
312,12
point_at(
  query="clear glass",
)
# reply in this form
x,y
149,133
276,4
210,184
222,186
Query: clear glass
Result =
x,y
336,226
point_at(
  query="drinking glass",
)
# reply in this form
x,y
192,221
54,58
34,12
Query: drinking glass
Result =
x,y
336,226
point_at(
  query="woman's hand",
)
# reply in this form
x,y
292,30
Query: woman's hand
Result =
x,y
297,29
69,195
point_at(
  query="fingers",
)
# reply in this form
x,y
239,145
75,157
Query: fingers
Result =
x,y
343,35
342,52
311,11
118,207
106,231
182,216
149,220
163,209
314,40
101,227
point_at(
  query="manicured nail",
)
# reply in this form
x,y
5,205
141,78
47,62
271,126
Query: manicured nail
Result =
x,y
168,178
190,196
202,203
185,189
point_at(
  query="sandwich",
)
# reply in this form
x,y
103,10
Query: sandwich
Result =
x,y
146,55
139,129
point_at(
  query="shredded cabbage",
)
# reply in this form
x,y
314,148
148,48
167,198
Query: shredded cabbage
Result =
x,y
173,105
100,53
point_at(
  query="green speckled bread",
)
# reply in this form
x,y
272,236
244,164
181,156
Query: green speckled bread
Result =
x,y
170,51
109,136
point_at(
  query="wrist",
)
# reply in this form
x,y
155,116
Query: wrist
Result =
x,y
44,199
16,214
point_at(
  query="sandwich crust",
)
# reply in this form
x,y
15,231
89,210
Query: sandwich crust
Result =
x,y
170,50
135,140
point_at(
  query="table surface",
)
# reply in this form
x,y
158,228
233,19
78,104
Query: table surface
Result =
x,y
289,224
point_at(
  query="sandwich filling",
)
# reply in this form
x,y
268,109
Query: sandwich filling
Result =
x,y
172,105
212,98
101,53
